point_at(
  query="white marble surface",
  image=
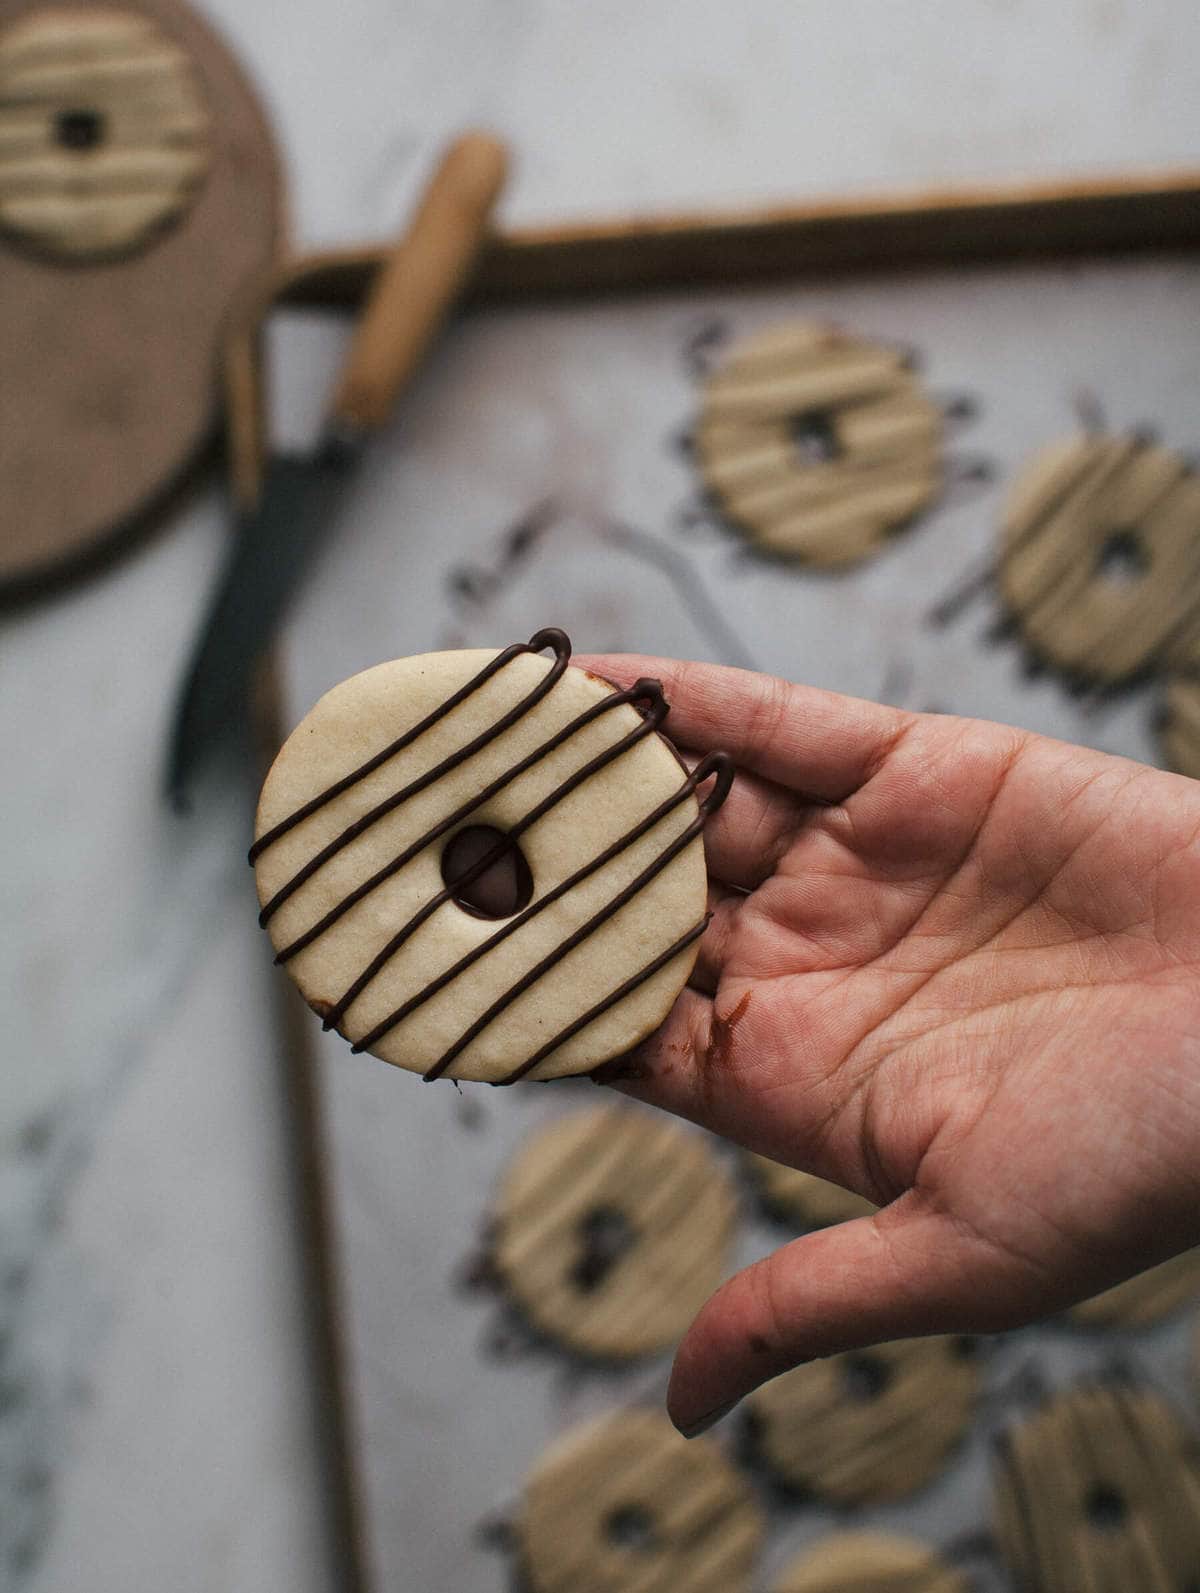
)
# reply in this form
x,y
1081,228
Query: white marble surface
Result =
x,y
153,1426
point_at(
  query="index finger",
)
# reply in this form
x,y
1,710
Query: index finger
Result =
x,y
816,742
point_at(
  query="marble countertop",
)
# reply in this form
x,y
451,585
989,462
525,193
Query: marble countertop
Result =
x,y
153,1425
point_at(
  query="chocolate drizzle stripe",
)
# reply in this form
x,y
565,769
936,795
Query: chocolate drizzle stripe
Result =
x,y
562,652
610,1000
650,723
716,764
549,637
645,690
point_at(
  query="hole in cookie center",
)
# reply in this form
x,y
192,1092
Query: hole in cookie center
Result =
x,y
497,891
865,1377
631,1527
1123,558
1105,1507
814,437
605,1234
79,129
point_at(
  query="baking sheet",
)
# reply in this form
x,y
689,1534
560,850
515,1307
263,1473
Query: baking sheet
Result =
x,y
534,476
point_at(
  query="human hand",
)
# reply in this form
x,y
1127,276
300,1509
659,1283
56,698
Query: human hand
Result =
x,y
954,967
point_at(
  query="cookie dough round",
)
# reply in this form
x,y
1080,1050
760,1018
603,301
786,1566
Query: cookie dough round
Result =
x,y
624,1502
1100,1488
1147,1298
816,444
870,1562
390,766
612,1228
1100,556
803,1198
104,131
871,1425
1181,723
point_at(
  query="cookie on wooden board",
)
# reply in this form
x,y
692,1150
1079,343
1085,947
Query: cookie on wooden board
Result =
x,y
141,201
816,444
624,1503
1146,1298
486,864
1100,556
870,1562
803,1198
1100,1488
871,1425
611,1228
104,130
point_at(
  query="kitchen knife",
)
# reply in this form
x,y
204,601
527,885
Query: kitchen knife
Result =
x,y
275,539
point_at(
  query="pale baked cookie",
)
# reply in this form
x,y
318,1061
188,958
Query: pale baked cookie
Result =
x,y
1181,724
1146,1298
870,1425
1100,1489
611,1228
803,1198
363,819
870,1562
104,131
625,1503
1100,556
816,444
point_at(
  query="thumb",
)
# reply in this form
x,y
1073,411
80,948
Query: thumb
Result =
x,y
903,1271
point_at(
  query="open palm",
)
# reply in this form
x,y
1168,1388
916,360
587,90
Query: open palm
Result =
x,y
956,968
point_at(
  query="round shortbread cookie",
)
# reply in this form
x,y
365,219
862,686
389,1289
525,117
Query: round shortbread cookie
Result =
x,y
612,1228
1100,1489
1147,1298
391,767
1181,724
1100,556
816,444
870,1425
803,1198
625,1502
104,131
870,1562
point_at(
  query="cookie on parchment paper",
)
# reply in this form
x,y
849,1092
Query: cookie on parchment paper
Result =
x,y
625,1503
1100,556
1180,728
1146,1298
870,1562
871,1425
486,864
816,444
1099,1488
802,1198
611,1228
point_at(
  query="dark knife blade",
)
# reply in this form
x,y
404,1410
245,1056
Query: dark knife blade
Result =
x,y
272,547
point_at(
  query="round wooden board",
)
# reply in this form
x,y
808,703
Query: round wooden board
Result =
x,y
110,365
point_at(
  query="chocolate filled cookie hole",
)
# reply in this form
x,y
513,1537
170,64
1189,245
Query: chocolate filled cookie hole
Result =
x,y
631,1527
1123,558
865,1377
79,130
1105,1508
605,1235
814,437
498,890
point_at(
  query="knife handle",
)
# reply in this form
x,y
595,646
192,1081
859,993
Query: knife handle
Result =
x,y
419,280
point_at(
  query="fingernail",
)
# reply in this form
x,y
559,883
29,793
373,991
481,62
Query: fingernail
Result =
x,y
694,1429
